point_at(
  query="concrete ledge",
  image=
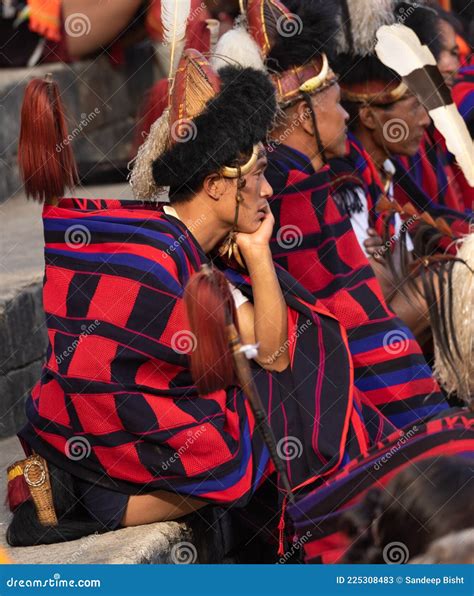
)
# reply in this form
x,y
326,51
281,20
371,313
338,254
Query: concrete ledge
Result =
x,y
23,337
14,389
205,537
23,342
152,544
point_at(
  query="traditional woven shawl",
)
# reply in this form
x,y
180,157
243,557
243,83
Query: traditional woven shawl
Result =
x,y
433,172
317,245
116,402
463,94
317,514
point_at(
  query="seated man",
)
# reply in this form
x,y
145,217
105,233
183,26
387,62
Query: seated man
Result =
x,y
386,121
433,167
463,95
315,241
138,416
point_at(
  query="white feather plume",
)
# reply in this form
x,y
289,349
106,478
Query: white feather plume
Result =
x,y
237,46
174,18
399,48
366,16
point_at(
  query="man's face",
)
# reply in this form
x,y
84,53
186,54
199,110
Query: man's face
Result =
x,y
255,194
332,120
448,61
400,127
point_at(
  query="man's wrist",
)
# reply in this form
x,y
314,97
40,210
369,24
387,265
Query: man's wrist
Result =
x,y
256,251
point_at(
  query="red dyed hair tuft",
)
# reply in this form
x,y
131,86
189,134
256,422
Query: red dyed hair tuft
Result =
x,y
45,156
210,307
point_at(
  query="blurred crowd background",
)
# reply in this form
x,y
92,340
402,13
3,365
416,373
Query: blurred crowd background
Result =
x,y
128,33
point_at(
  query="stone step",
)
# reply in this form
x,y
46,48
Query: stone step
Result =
x,y
206,537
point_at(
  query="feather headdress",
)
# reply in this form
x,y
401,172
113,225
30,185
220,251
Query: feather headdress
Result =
x,y
257,28
213,122
238,46
359,21
174,19
399,48
173,23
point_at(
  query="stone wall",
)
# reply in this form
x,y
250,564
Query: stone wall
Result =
x,y
101,102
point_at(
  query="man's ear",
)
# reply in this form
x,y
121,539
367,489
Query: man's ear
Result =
x,y
215,186
303,117
367,117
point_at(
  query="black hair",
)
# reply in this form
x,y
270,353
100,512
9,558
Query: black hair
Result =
x,y
353,107
425,501
74,522
424,21
314,37
233,122
450,18
230,7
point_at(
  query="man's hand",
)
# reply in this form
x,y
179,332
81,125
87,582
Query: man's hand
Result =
x,y
260,238
374,245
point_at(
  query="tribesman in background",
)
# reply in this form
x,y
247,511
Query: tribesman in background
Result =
x,y
390,114
433,166
313,238
387,121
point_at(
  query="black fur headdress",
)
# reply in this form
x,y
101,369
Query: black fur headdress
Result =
x,y
214,121
232,123
317,31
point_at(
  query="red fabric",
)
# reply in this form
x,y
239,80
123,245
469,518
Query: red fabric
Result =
x,y
17,492
319,511
116,382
